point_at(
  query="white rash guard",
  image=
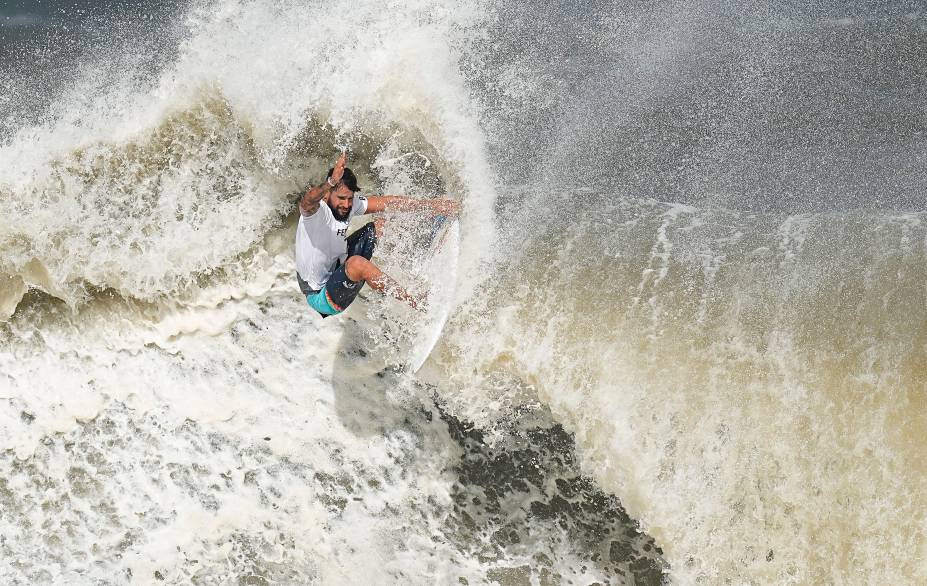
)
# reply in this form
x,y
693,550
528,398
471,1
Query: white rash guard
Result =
x,y
321,240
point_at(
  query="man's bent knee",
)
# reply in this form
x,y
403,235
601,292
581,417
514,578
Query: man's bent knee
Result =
x,y
357,268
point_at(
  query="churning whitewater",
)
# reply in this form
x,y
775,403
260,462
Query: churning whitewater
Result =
x,y
689,342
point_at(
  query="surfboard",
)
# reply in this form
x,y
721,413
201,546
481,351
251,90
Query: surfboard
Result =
x,y
438,267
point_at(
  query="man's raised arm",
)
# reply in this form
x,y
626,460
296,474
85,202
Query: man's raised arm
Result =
x,y
309,204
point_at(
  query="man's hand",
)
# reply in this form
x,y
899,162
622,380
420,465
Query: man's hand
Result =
x,y
338,171
447,206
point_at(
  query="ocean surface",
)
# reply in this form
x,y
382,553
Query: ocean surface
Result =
x,y
689,343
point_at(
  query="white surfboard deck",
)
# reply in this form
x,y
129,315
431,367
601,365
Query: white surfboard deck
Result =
x,y
439,268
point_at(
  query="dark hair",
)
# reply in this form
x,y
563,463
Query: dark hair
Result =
x,y
348,178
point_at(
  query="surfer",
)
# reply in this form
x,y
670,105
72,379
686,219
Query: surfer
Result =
x,y
331,266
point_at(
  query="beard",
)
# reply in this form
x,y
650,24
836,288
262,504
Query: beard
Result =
x,y
341,217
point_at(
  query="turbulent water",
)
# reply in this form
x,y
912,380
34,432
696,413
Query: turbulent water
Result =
x,y
690,335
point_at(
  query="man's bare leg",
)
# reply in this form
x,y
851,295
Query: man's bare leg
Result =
x,y
358,268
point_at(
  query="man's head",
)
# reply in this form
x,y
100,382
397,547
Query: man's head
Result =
x,y
341,198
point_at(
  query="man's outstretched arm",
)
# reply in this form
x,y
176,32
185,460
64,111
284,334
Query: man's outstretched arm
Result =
x,y
309,204
402,203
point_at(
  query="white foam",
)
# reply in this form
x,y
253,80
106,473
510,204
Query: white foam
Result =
x,y
751,415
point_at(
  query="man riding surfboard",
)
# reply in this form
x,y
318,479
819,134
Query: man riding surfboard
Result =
x,y
331,267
